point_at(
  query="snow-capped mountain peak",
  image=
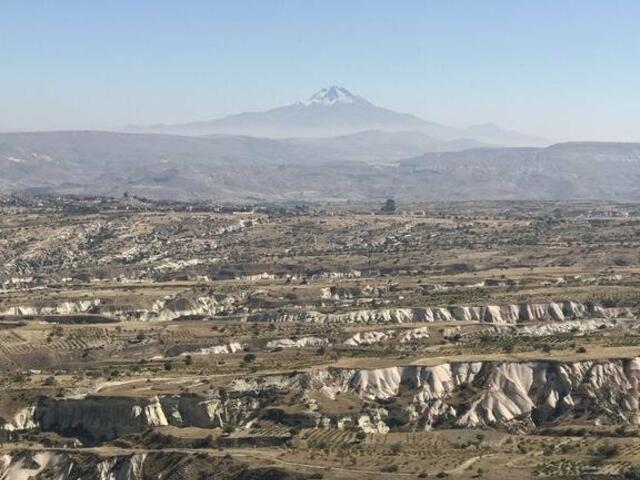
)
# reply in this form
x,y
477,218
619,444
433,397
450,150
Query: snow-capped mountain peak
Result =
x,y
331,112
331,96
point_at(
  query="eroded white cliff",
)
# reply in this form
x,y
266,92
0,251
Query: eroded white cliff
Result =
x,y
496,314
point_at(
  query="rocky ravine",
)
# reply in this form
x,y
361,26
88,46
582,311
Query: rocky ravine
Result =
x,y
507,395
171,308
102,418
66,465
518,395
505,314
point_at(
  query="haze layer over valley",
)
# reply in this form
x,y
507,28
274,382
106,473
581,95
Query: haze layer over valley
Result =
x,y
375,153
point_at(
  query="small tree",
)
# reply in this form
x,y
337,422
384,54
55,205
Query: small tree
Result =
x,y
389,206
249,358
396,448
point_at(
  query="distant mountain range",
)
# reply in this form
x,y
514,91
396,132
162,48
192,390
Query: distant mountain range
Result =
x,y
335,111
335,146
245,169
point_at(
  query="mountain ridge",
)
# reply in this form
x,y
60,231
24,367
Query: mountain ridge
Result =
x,y
249,170
335,111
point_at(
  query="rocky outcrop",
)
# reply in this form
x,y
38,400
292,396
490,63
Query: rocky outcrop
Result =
x,y
63,466
297,342
507,394
348,293
503,394
575,327
336,275
84,465
368,338
166,309
497,314
372,337
568,327
257,277
64,308
232,347
374,422
25,465
22,420
413,334
97,418
171,308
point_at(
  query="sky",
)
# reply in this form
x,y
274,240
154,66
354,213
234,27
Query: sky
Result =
x,y
562,69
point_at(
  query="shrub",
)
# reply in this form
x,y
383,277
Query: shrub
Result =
x,y
632,473
249,358
206,442
602,453
396,448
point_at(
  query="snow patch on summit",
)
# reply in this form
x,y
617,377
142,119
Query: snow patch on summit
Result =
x,y
332,95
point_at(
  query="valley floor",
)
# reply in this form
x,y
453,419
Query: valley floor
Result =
x,y
144,340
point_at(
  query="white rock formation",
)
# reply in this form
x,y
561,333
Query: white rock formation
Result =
x,y
298,342
496,314
60,465
575,327
368,338
104,418
257,277
21,467
22,420
64,308
171,308
232,347
373,423
413,334
503,392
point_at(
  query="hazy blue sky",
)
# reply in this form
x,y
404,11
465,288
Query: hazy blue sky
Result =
x,y
563,69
